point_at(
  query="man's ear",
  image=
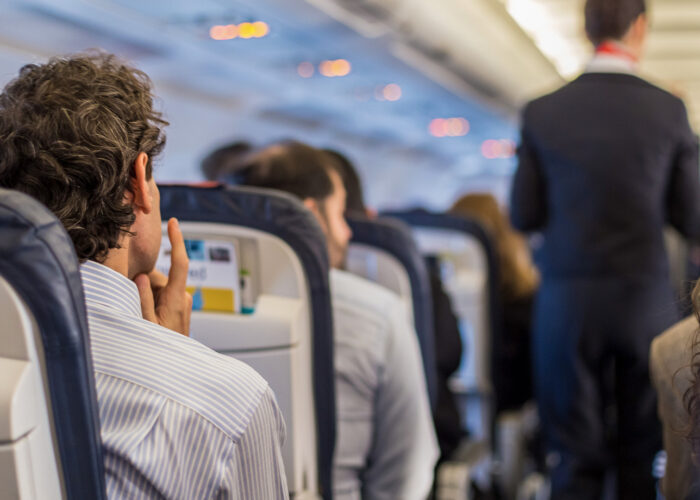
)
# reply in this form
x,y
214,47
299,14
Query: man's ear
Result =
x,y
637,33
142,198
312,205
643,25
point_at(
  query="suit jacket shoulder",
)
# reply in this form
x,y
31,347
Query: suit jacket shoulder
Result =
x,y
610,82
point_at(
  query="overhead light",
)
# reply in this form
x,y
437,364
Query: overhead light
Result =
x,y
338,67
341,67
257,29
260,29
449,127
392,92
553,38
221,32
305,69
498,149
326,68
246,30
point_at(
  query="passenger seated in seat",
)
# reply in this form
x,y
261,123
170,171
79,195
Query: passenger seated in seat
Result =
x,y
355,198
386,446
221,164
448,342
178,420
519,280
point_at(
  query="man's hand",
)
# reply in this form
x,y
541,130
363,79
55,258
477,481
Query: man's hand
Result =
x,y
164,300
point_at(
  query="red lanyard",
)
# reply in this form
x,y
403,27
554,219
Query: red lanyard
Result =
x,y
614,49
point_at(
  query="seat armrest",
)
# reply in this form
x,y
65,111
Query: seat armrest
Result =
x,y
469,465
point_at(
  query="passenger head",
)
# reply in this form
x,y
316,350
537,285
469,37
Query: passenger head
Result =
x,y
223,163
355,204
519,277
312,175
616,20
80,135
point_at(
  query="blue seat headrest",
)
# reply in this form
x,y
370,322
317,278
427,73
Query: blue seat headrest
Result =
x,y
37,258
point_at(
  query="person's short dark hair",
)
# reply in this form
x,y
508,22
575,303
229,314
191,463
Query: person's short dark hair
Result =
x,y
290,166
611,19
351,180
70,132
225,161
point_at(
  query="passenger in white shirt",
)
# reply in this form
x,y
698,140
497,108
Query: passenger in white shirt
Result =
x,y
177,419
386,446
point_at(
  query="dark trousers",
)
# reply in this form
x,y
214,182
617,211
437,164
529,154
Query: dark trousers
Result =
x,y
591,369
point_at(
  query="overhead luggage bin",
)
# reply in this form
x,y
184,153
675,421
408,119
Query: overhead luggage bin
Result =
x,y
259,278
383,251
470,276
50,445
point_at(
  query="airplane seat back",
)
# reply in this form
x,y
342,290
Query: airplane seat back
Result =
x,y
383,251
259,271
50,445
470,276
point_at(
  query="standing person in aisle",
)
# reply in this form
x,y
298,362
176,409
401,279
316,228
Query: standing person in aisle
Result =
x,y
604,163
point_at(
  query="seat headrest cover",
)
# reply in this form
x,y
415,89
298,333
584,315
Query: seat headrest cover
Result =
x,y
38,259
462,224
284,216
395,238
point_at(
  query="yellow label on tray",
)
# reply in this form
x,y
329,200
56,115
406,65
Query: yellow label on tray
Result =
x,y
212,299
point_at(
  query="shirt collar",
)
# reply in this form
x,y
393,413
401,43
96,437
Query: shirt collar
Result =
x,y
108,288
610,62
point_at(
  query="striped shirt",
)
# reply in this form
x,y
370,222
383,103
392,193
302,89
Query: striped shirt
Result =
x,y
178,420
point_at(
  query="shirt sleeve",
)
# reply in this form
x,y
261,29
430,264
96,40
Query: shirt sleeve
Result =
x,y
528,206
256,470
683,197
404,449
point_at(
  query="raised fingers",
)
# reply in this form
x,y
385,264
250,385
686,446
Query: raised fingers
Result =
x,y
179,263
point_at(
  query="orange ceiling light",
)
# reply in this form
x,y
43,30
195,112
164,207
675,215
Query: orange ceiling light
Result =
x,y
246,31
260,29
341,67
338,67
326,68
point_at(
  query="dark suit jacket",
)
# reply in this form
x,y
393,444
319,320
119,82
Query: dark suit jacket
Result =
x,y
604,163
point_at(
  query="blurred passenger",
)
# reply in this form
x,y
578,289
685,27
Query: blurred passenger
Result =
x,y
178,420
673,370
448,356
519,280
355,200
448,342
604,163
385,446
221,164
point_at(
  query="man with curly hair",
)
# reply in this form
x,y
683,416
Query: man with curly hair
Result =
x,y
177,419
